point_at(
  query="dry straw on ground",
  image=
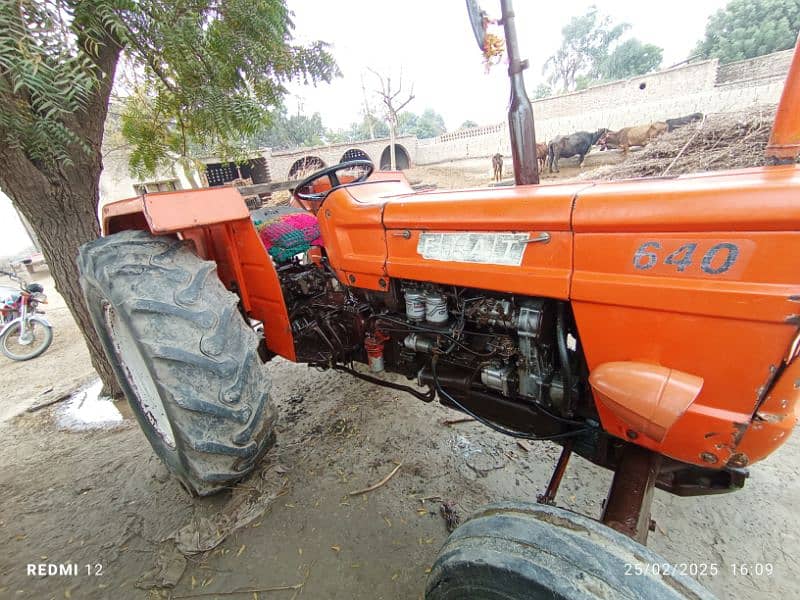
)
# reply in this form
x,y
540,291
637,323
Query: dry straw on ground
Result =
x,y
720,141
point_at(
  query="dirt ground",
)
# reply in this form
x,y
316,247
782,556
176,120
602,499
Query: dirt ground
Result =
x,y
101,500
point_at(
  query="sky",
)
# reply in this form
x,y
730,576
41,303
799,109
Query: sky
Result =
x,y
432,42
13,236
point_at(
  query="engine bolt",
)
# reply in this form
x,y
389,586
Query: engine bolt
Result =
x,y
632,434
708,457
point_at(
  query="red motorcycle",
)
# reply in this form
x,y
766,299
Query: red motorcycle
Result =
x,y
25,332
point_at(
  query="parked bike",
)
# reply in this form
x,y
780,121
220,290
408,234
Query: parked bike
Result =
x,y
25,332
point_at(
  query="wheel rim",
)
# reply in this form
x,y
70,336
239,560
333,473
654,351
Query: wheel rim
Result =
x,y
22,345
145,390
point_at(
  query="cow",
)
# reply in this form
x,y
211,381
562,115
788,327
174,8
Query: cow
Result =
x,y
681,121
639,135
609,140
497,166
541,156
571,145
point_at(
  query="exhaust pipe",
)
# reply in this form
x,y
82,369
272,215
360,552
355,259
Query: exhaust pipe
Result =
x,y
520,111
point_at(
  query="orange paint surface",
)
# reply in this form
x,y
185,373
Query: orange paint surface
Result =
x,y
692,274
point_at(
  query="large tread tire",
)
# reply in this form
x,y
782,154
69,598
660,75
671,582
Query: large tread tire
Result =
x,y
515,550
169,327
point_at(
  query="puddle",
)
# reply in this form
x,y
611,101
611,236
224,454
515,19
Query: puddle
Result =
x,y
86,410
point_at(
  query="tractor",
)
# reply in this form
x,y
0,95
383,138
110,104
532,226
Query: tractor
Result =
x,y
650,326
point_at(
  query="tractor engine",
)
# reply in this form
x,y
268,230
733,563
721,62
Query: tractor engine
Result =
x,y
507,359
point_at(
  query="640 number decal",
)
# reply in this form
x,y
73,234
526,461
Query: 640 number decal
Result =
x,y
715,260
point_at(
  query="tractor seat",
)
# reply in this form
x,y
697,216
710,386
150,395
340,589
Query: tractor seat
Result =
x,y
286,231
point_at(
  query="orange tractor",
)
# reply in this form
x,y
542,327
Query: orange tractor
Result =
x,y
650,326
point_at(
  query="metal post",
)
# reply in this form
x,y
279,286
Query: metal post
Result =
x,y
520,111
627,507
549,496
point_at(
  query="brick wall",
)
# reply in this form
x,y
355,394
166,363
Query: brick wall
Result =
x,y
703,86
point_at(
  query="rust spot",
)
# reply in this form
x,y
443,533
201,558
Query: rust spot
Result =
x,y
794,298
710,434
739,431
739,459
708,457
770,417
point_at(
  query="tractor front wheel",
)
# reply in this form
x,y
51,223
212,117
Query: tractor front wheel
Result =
x,y
515,550
183,354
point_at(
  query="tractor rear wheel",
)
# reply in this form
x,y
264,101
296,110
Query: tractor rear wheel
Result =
x,y
183,354
515,550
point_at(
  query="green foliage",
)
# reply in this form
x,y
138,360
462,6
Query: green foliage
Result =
x,y
591,53
208,74
749,28
427,125
630,58
47,60
585,44
542,91
359,131
468,124
287,132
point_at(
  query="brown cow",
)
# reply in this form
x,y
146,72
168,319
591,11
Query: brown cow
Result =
x,y
497,166
639,135
541,156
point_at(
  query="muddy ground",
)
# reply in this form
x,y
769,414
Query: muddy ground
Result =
x,y
100,498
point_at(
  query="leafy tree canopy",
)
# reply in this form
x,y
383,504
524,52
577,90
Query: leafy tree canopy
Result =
x,y
468,124
749,28
427,125
585,43
630,58
200,74
359,131
204,73
542,91
590,52
287,132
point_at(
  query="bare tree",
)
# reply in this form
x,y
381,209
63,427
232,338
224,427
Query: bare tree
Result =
x,y
393,102
368,116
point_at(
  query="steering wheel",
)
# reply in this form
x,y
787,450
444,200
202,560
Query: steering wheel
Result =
x,y
316,191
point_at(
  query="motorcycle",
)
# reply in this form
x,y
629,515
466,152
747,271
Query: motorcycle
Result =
x,y
25,332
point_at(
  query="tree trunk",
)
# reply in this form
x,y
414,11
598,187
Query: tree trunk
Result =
x,y
392,154
63,217
60,203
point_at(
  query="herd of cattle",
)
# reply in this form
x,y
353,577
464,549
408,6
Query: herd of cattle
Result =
x,y
578,144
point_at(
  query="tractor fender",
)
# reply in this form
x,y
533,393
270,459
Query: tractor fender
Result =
x,y
173,212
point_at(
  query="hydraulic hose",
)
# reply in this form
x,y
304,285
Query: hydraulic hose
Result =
x,y
495,426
